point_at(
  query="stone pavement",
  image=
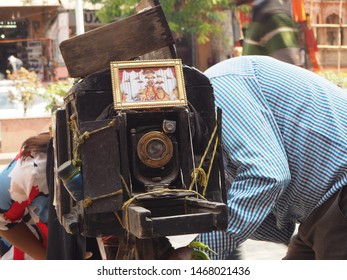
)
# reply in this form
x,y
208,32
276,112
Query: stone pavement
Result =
x,y
260,250
250,250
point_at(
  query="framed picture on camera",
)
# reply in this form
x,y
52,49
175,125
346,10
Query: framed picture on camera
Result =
x,y
148,84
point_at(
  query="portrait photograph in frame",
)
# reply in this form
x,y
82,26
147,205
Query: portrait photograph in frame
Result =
x,y
148,84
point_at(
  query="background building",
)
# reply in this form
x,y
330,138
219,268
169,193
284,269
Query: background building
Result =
x,y
32,31
328,20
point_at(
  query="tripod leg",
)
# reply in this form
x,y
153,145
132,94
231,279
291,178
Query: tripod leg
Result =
x,y
158,248
126,248
145,249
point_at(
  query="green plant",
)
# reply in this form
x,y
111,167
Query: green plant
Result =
x,y
339,79
55,93
27,87
203,17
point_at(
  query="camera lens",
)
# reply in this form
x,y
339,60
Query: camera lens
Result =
x,y
155,149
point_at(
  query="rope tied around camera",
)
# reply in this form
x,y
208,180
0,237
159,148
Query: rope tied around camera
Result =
x,y
157,192
89,200
199,175
81,138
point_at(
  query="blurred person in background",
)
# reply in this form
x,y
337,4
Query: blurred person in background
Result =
x,y
14,63
272,31
27,211
24,202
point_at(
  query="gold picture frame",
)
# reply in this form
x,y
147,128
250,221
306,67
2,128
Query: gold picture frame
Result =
x,y
148,84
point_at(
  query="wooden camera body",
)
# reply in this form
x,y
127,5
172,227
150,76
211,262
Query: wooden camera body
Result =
x,y
149,168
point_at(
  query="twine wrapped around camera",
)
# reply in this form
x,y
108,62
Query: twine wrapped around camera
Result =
x,y
199,175
89,200
127,203
81,138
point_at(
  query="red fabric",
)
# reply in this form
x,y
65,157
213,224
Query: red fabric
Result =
x,y
18,254
245,19
18,156
315,65
17,209
310,40
44,232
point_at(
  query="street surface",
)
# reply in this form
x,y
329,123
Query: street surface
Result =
x,y
259,250
250,250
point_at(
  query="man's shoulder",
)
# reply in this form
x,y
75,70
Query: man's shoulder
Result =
x,y
242,66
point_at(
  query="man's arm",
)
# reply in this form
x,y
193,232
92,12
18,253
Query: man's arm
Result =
x,y
21,237
252,136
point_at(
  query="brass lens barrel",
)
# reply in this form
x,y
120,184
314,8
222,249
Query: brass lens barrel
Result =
x,y
155,149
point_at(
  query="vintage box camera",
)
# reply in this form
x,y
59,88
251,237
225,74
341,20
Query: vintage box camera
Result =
x,y
151,162
156,140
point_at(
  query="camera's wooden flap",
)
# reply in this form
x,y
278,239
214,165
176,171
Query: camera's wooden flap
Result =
x,y
124,39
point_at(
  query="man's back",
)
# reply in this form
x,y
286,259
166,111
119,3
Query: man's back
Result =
x,y
285,128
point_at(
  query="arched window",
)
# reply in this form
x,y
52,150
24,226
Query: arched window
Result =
x,y
333,32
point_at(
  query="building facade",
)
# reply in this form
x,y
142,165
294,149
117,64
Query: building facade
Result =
x,y
32,31
328,20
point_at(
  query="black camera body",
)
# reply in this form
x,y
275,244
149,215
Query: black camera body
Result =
x,y
139,165
156,141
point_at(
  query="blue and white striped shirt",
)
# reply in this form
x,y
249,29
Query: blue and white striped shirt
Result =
x,y
286,131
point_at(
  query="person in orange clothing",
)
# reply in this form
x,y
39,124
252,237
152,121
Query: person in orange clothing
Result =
x,y
310,44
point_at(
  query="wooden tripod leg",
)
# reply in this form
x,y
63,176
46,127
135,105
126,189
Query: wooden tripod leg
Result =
x,y
145,249
158,248
126,248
